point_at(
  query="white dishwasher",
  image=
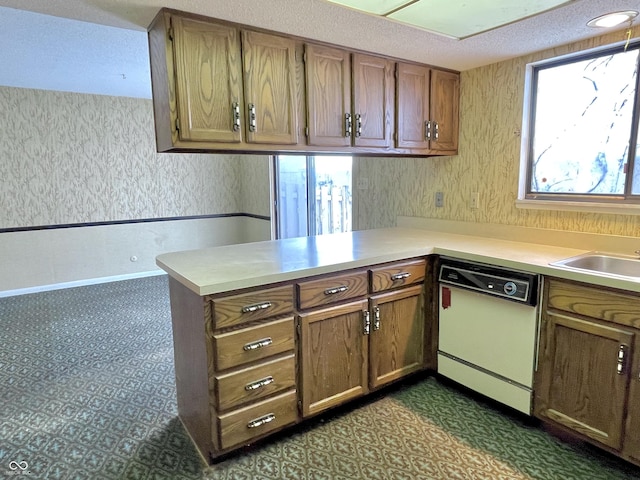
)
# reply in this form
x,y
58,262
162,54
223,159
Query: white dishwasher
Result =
x,y
488,330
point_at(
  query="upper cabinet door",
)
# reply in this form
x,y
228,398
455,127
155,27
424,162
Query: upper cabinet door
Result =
x,y
445,94
413,106
328,78
269,88
373,101
208,72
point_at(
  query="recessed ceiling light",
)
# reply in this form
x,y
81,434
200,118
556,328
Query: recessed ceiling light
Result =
x,y
612,19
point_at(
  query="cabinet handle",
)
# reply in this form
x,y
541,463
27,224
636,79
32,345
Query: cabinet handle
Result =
x,y
400,276
265,342
252,117
376,318
256,307
427,130
367,322
334,290
621,359
269,417
347,125
263,382
236,116
436,131
358,124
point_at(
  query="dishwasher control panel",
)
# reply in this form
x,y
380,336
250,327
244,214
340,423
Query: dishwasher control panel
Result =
x,y
509,284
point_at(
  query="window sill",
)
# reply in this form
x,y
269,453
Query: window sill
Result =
x,y
588,207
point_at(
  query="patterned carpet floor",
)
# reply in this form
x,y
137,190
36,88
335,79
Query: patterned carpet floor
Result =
x,y
88,393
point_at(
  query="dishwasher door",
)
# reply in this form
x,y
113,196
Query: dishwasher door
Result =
x,y
488,344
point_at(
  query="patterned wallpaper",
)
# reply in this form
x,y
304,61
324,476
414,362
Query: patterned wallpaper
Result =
x,y
72,158
67,158
488,162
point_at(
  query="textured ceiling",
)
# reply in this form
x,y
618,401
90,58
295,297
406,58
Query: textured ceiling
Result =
x,y
70,50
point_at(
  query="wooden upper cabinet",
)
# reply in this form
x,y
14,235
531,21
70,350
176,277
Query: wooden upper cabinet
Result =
x,y
269,88
221,86
373,101
427,112
445,105
413,106
208,80
328,78
335,118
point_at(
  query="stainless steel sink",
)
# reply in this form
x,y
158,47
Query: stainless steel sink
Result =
x,y
606,263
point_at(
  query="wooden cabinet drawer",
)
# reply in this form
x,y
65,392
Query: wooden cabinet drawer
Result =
x,y
246,307
335,288
253,383
257,419
596,302
253,343
395,275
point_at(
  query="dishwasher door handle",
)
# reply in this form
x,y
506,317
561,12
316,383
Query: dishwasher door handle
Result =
x,y
445,301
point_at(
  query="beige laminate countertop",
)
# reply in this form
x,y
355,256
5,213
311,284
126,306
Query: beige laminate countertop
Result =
x,y
232,267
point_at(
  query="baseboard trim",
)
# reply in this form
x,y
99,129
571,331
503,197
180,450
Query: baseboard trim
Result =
x,y
79,283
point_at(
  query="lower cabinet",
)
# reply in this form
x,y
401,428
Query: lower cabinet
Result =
x,y
396,343
251,362
587,379
334,364
354,348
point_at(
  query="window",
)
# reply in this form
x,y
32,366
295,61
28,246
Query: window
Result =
x,y
582,143
313,195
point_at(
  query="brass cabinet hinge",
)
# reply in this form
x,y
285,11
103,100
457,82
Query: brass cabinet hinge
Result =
x,y
177,124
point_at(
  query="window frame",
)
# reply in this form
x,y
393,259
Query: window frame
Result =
x,y
627,203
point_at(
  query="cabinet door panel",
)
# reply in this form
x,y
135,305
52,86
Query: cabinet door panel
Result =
x,y
328,76
413,105
208,80
396,345
269,79
373,87
334,356
631,444
444,106
580,387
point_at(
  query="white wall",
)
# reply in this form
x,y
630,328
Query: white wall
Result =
x,y
57,258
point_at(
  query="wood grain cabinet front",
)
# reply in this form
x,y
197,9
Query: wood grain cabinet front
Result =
x,y
350,349
428,108
587,380
222,86
350,99
396,275
239,347
256,420
247,307
331,289
217,86
252,383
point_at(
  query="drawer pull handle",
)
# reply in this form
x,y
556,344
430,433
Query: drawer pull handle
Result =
x,y
265,342
263,382
400,276
256,307
269,417
334,290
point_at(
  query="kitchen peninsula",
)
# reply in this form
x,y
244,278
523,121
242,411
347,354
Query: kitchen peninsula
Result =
x,y
267,334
